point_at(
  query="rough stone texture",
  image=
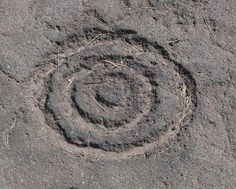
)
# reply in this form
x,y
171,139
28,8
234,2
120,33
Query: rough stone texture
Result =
x,y
40,41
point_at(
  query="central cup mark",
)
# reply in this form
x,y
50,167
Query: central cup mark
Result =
x,y
111,93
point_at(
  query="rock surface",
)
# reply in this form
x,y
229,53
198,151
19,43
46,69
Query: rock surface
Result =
x,y
117,94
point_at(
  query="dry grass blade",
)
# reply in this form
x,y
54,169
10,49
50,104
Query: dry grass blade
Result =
x,y
50,71
75,51
92,40
112,63
116,64
95,101
70,53
68,86
69,151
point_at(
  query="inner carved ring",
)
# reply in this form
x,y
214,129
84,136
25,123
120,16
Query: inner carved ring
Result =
x,y
114,101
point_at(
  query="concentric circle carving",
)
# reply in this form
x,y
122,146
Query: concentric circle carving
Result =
x,y
121,94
